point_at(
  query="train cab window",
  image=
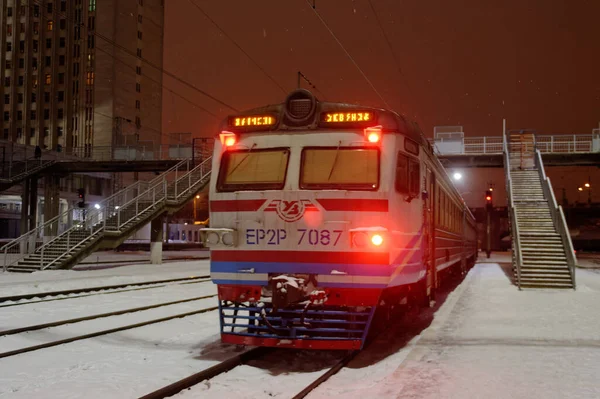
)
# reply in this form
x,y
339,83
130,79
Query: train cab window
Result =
x,y
253,170
407,175
339,168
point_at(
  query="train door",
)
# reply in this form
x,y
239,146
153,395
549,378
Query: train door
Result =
x,y
428,233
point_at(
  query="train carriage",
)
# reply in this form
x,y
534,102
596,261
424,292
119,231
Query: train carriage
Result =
x,y
321,213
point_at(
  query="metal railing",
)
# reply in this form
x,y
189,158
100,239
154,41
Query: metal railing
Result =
x,y
67,228
576,143
560,144
515,235
186,184
558,217
18,160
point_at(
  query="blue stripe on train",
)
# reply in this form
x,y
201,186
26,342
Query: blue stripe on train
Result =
x,y
310,268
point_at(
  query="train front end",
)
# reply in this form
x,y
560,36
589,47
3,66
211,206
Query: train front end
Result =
x,y
298,236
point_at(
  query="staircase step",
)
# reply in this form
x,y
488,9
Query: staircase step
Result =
x,y
535,263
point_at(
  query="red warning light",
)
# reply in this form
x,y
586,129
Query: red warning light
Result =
x,y
227,138
373,134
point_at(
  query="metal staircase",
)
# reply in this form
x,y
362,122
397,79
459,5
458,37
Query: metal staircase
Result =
x,y
542,252
60,243
15,172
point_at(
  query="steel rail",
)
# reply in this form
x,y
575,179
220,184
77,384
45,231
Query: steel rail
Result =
x,y
103,293
208,373
36,327
328,374
93,289
103,332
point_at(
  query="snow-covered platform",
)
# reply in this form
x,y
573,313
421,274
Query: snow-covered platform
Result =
x,y
488,340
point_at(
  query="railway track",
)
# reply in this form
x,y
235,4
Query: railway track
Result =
x,y
99,290
238,360
103,332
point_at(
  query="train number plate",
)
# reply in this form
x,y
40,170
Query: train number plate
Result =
x,y
312,237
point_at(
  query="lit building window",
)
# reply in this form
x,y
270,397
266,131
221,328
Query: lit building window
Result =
x,y
90,79
92,5
50,25
48,79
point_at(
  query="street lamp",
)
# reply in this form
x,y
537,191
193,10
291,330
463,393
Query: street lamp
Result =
x,y
197,197
457,176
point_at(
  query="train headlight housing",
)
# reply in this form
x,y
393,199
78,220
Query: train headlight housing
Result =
x,y
227,239
360,239
369,237
212,238
215,237
227,138
373,134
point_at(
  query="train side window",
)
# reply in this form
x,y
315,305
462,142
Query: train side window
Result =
x,y
414,177
402,173
407,175
437,204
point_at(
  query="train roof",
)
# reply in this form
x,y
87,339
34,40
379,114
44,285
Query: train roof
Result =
x,y
303,111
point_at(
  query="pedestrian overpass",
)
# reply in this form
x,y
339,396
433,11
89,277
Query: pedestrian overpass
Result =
x,y
456,150
542,251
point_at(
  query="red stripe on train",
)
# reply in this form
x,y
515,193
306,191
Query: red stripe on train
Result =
x,y
347,344
357,205
355,258
236,205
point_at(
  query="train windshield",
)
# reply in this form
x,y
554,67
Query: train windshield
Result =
x,y
253,169
340,168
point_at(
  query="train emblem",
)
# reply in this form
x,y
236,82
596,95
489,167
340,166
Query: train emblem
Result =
x,y
291,211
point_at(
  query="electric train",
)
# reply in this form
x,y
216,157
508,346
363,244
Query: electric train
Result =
x,y
322,213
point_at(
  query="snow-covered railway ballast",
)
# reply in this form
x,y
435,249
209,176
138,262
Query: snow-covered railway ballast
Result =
x,y
322,213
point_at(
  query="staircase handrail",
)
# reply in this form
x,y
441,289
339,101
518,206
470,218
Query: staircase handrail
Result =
x,y
96,228
65,253
516,237
30,238
558,217
205,164
136,201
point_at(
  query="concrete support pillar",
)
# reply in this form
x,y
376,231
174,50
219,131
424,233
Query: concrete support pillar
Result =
x,y
156,240
51,205
25,197
33,202
33,208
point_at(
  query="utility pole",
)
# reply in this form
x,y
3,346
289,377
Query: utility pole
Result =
x,y
488,210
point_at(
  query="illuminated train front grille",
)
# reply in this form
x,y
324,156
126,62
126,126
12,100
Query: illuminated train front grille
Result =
x,y
324,323
300,108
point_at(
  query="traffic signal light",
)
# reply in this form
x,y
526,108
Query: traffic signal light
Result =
x,y
488,198
81,193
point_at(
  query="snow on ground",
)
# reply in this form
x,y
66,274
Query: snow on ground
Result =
x,y
45,312
56,280
486,340
142,256
490,340
127,364
281,374
31,338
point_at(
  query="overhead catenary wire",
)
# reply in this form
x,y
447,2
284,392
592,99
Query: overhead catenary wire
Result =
x,y
159,83
153,65
348,54
389,45
237,45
